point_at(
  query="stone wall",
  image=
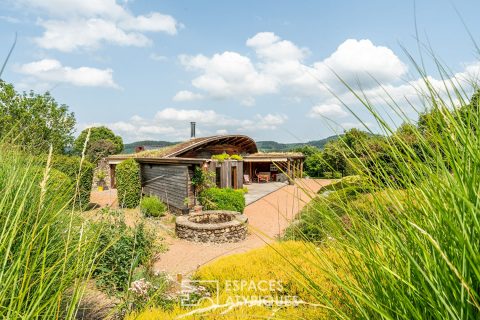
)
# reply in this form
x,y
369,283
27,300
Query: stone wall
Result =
x,y
234,230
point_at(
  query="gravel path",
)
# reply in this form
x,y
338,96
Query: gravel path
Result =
x,y
268,218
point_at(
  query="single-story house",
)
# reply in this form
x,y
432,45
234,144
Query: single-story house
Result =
x,y
167,172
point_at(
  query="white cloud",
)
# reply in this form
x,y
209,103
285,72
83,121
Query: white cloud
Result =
x,y
157,57
53,72
186,95
328,110
228,74
280,67
86,33
202,116
174,124
361,60
78,24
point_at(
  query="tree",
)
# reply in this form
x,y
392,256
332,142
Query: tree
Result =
x,y
34,121
102,142
314,165
334,156
100,149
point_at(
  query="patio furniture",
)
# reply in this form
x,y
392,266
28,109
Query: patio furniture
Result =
x,y
263,176
246,179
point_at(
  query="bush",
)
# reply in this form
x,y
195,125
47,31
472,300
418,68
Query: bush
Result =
x,y
152,206
70,166
223,199
48,253
124,249
225,156
128,183
351,185
236,157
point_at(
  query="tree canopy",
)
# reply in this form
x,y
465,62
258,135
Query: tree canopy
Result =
x,y
34,121
101,143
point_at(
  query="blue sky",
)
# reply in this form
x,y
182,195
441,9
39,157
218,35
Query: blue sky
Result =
x,y
261,68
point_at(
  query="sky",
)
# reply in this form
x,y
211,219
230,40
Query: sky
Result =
x,y
269,69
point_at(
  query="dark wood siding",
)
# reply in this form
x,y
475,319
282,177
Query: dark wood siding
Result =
x,y
171,183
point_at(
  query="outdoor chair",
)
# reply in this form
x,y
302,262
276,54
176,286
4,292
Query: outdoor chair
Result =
x,y
246,179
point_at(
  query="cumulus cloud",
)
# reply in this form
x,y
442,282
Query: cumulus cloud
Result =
x,y
53,72
173,124
186,95
328,110
228,74
78,24
280,67
361,61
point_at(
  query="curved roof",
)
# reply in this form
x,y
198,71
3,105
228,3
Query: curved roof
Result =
x,y
244,142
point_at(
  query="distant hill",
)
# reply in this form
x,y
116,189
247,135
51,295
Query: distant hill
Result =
x,y
265,146
130,147
271,146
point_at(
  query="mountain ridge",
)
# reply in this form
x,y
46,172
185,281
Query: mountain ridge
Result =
x,y
262,145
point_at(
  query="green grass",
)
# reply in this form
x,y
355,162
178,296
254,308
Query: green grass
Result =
x,y
411,245
46,252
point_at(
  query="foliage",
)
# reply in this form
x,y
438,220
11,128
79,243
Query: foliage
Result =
x,y
34,121
47,251
127,174
223,199
225,156
236,157
151,206
411,243
70,165
202,179
264,265
102,142
97,150
124,249
334,156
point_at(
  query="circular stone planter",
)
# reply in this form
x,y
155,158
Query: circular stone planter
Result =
x,y
217,226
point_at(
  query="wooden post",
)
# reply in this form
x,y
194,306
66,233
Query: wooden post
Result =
x,y
301,168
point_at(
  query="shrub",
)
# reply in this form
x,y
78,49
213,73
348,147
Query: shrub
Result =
x,y
70,166
48,254
221,157
351,185
128,183
264,264
223,199
236,157
124,249
152,206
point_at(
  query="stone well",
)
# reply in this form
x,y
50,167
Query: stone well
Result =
x,y
217,226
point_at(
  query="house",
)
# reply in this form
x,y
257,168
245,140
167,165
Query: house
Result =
x,y
167,172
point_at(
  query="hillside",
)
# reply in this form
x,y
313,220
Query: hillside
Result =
x,y
265,146
130,147
270,146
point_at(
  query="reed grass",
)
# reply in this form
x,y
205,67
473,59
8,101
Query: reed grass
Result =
x,y
46,252
416,254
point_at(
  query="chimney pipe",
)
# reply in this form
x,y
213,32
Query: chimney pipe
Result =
x,y
192,129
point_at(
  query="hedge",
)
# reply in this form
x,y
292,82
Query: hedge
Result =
x,y
223,199
70,166
128,182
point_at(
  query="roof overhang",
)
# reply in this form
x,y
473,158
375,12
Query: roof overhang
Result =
x,y
186,161
244,142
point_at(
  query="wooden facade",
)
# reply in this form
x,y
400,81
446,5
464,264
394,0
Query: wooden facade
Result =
x,y
167,174
171,183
